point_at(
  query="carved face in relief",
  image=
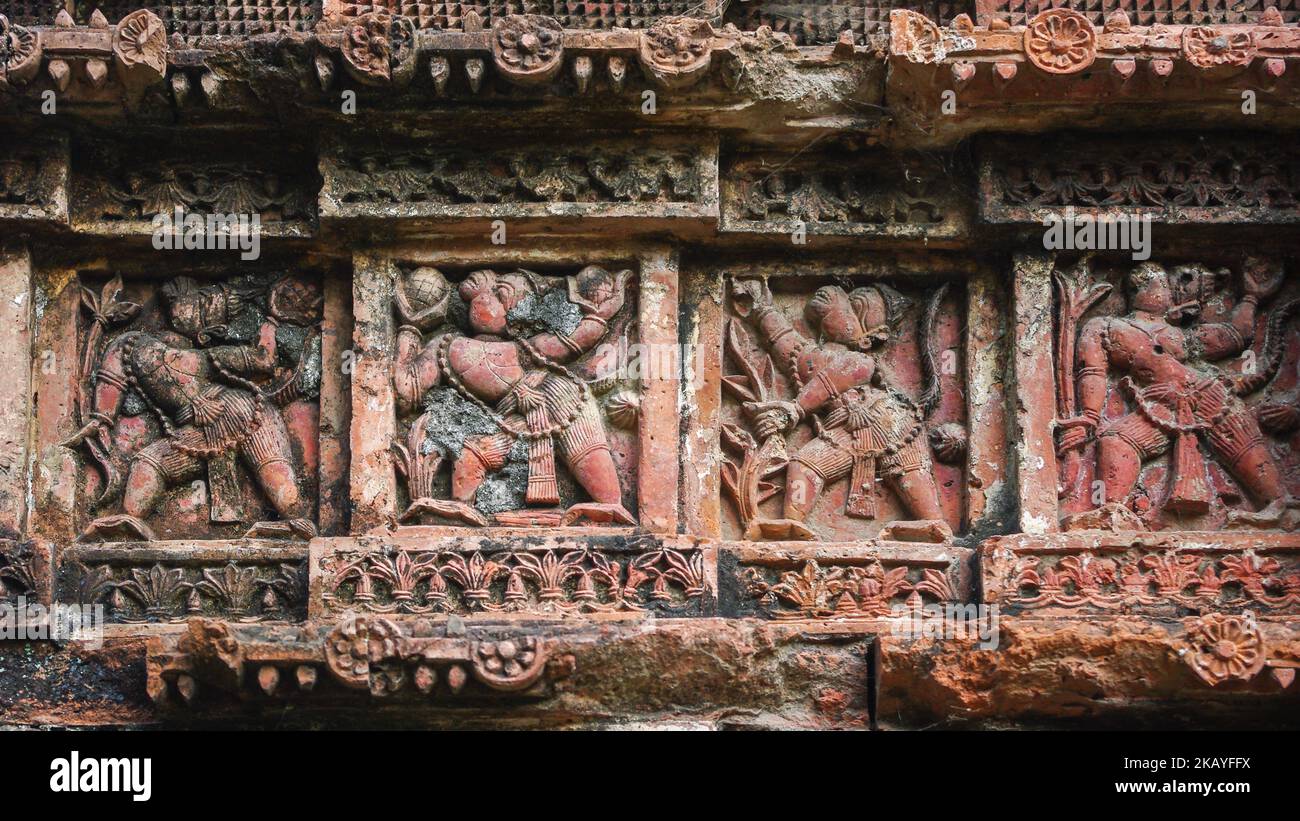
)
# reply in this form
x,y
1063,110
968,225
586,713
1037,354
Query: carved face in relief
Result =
x,y
197,312
490,298
1194,287
1148,289
856,320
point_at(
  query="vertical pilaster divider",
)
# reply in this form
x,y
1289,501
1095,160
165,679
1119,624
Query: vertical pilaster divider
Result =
x,y
659,434
373,486
1034,394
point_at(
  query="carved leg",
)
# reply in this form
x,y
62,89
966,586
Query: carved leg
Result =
x,y
153,470
1122,447
478,457
269,456
1239,446
586,452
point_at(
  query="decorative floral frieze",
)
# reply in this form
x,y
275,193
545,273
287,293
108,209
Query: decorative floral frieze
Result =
x,y
1191,179
119,187
788,580
34,179
1163,574
155,589
871,194
448,177
555,581
844,591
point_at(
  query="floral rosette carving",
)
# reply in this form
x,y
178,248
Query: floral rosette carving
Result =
x,y
140,43
509,665
676,51
1061,41
1222,647
528,48
21,50
352,646
379,49
1207,47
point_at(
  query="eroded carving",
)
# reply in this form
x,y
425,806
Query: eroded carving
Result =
x,y
1172,380
508,386
863,427
677,51
528,48
215,381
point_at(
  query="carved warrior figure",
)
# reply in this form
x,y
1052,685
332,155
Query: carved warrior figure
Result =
x,y
213,401
520,381
865,427
1175,405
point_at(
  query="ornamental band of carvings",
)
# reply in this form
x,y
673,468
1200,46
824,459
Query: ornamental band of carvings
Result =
x,y
895,198
788,581
34,179
163,587
359,653
1208,180
555,581
821,418
193,381
355,179
1096,575
121,186
505,376
1176,392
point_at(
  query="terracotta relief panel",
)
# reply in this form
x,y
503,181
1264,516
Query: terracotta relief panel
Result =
x,y
517,393
844,415
198,403
1176,394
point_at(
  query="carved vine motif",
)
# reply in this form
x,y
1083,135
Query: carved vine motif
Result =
x,y
162,593
1061,41
835,195
214,383
528,48
864,429
509,430
1154,426
1239,175
1207,47
452,177
547,581
677,51
1088,579
843,591
1220,648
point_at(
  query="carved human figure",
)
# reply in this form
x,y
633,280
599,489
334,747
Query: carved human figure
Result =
x,y
520,381
866,427
211,400
1175,405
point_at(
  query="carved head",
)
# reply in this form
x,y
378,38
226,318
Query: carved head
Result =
x,y
1193,287
200,312
858,320
1148,289
490,297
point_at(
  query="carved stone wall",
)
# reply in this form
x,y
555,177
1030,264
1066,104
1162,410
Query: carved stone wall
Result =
x,y
573,364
